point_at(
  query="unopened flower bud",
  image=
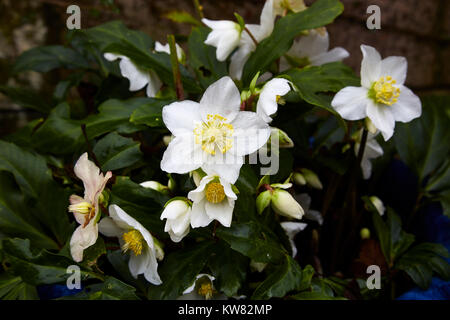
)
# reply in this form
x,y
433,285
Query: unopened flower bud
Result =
x,y
285,205
365,233
378,204
155,185
177,211
283,139
298,179
311,178
167,139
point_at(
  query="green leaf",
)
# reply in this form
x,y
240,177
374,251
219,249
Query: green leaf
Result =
x,y
46,58
202,58
35,180
141,203
285,278
111,289
114,115
59,134
420,142
321,12
229,268
422,260
253,240
91,254
314,82
16,219
13,288
182,17
117,152
444,198
315,295
247,181
150,113
36,266
179,269
26,98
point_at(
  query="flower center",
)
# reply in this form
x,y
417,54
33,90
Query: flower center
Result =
x,y
85,208
133,241
206,290
214,133
214,192
383,91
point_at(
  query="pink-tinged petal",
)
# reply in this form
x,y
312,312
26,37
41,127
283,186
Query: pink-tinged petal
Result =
x,y
83,238
181,117
223,98
89,173
382,118
408,106
370,66
351,103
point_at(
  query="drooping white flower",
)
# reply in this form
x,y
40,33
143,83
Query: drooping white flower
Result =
x,y
382,97
178,215
214,134
291,229
312,49
138,77
247,45
212,200
371,151
202,289
269,96
136,240
155,185
86,210
159,47
225,36
281,6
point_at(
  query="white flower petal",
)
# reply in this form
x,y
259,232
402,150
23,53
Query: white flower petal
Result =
x,y
175,209
267,20
154,84
251,132
83,238
151,271
382,118
396,67
267,102
109,228
336,54
227,189
182,155
223,98
138,264
138,78
370,66
227,170
238,60
351,103
408,106
224,36
221,212
199,218
181,117
197,194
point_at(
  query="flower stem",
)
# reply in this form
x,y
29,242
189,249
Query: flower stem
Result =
x,y
175,67
362,146
251,35
198,8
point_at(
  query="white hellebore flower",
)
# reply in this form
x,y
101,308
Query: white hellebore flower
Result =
x,y
371,151
138,77
178,215
214,134
382,96
291,229
212,200
201,289
269,96
247,45
225,36
312,49
86,210
135,238
285,205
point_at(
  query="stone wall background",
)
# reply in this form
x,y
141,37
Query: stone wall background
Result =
x,y
416,29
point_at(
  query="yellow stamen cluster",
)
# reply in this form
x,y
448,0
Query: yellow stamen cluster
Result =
x,y
215,132
133,241
214,192
81,207
206,290
385,91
